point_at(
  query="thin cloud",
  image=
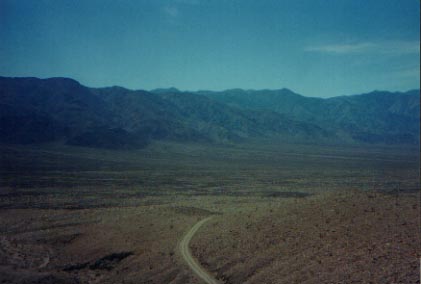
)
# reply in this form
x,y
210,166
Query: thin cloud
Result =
x,y
389,47
341,48
402,47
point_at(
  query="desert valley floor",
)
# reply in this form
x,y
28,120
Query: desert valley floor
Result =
x,y
280,214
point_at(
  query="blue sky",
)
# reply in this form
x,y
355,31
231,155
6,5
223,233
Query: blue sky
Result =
x,y
315,47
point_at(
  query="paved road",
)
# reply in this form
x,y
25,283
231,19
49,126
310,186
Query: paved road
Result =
x,y
191,261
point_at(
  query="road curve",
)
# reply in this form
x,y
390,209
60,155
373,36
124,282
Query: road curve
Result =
x,y
191,261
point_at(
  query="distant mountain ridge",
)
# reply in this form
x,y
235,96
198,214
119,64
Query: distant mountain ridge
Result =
x,y
60,109
376,117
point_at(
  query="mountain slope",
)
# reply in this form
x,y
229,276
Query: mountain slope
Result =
x,y
63,99
377,117
282,101
34,111
59,109
186,116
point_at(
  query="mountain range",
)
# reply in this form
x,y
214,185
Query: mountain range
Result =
x,y
36,110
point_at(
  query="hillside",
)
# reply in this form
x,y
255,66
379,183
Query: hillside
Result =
x,y
376,117
60,109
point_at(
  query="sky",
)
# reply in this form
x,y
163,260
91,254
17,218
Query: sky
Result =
x,y
319,48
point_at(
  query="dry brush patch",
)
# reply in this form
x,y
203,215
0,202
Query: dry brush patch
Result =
x,y
283,214
332,238
112,245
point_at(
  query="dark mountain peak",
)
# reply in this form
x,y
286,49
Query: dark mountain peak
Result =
x,y
261,92
28,84
380,93
18,78
113,90
117,89
233,90
415,92
286,91
165,90
61,80
65,85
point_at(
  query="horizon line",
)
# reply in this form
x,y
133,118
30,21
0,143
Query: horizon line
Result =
x,y
208,90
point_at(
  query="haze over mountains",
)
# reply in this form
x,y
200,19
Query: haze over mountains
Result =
x,y
36,110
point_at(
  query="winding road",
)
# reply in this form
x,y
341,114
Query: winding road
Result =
x,y
190,260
